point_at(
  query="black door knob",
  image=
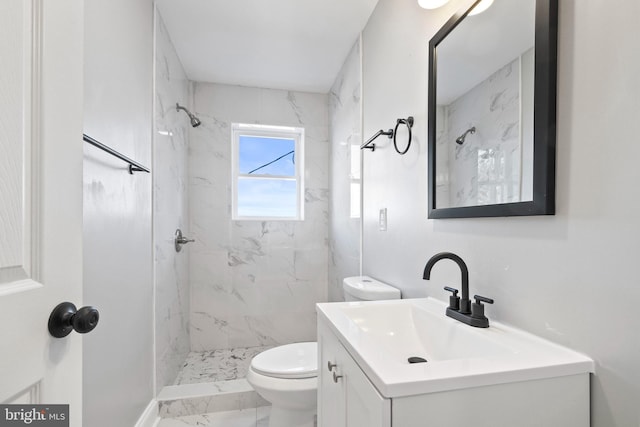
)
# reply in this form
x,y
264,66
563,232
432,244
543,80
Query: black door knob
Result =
x,y
66,318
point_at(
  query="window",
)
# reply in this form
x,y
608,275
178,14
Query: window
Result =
x,y
268,165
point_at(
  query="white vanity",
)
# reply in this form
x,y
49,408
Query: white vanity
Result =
x,y
493,377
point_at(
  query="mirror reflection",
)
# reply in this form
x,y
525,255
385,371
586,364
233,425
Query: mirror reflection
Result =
x,y
485,102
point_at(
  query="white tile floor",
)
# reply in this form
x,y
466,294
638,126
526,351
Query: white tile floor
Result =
x,y
256,417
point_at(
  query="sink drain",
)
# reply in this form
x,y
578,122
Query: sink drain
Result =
x,y
416,359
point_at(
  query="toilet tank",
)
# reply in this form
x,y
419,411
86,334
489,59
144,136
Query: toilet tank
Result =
x,y
364,288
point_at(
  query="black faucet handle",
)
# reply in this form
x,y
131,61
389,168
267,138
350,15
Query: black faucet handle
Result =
x,y
454,300
480,299
477,309
450,289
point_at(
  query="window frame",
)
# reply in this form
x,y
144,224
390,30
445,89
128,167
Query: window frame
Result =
x,y
267,131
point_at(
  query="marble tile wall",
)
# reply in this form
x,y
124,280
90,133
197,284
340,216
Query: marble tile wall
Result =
x,y
345,131
254,283
486,169
170,210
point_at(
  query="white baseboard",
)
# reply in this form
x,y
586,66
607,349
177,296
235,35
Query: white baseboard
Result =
x,y
149,417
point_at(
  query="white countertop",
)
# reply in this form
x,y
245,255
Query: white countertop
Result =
x,y
382,335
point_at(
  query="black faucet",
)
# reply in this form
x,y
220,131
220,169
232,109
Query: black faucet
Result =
x,y
461,308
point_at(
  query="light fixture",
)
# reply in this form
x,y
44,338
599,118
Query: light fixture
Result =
x,y
481,7
432,4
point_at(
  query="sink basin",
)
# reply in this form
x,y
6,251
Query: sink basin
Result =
x,y
382,335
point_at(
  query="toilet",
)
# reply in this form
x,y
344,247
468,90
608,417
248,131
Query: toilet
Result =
x,y
287,375
364,288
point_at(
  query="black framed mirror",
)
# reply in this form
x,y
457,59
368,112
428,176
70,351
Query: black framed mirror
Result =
x,y
492,111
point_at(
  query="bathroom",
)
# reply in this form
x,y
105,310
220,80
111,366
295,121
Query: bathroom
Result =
x,y
564,277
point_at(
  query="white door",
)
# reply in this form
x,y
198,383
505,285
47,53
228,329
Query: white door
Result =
x,y
41,53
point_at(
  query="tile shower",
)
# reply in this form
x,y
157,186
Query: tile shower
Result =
x,y
345,134
254,283
490,167
242,286
170,204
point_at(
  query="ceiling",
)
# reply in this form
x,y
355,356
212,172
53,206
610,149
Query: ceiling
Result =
x,y
482,44
281,44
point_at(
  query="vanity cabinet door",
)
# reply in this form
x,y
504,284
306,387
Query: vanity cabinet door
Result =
x,y
346,399
331,397
364,405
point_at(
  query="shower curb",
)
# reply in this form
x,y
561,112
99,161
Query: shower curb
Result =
x,y
211,397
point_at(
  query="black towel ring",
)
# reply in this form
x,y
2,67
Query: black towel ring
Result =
x,y
409,122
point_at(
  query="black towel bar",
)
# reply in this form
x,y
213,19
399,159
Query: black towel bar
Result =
x,y
371,146
133,165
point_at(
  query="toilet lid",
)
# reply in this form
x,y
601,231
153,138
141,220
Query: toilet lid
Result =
x,y
299,360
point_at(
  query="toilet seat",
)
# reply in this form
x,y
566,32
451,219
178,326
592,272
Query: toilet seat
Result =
x,y
291,361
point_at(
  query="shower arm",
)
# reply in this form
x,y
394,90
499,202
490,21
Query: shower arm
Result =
x,y
461,138
195,122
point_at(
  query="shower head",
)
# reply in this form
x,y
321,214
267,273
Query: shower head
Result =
x,y
460,139
195,122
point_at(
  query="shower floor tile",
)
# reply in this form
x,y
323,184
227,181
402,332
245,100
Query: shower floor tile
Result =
x,y
217,365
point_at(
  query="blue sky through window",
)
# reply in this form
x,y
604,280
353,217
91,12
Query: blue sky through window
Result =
x,y
275,198
258,195
257,151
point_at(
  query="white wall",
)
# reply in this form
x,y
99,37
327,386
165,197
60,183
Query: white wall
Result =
x,y
345,130
254,283
171,200
569,277
118,354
